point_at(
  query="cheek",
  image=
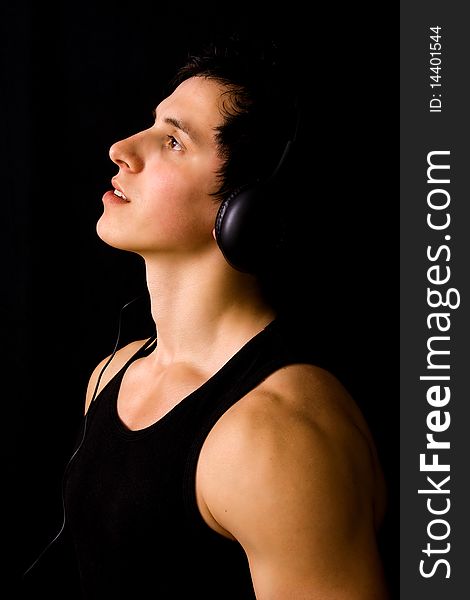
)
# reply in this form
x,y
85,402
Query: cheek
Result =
x,y
180,205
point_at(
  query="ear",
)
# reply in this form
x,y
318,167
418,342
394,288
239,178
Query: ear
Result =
x,y
214,235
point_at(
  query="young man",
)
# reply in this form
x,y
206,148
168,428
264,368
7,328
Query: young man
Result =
x,y
218,460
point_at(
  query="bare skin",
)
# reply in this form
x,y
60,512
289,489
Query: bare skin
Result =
x,y
290,471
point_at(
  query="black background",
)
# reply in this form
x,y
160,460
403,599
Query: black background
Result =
x,y
78,76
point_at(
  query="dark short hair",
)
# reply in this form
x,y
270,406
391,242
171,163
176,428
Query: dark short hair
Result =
x,y
260,112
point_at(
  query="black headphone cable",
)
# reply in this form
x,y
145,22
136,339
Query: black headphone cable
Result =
x,y
69,462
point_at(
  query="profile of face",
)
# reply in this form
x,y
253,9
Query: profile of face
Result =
x,y
167,173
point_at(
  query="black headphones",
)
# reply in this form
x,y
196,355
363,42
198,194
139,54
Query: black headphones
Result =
x,y
248,226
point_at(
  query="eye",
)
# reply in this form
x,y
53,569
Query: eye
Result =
x,y
173,143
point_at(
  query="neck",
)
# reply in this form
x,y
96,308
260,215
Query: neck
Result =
x,y
203,311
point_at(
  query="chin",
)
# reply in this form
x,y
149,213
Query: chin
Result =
x,y
110,237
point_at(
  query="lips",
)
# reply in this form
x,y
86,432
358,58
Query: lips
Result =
x,y
110,197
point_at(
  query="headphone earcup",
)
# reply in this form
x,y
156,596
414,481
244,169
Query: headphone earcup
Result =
x,y
247,227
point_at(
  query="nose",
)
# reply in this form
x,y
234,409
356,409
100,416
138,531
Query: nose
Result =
x,y
126,155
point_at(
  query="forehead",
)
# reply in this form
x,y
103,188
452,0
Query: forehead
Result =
x,y
196,101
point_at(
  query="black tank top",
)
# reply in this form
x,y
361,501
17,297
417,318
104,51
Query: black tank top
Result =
x,y
130,498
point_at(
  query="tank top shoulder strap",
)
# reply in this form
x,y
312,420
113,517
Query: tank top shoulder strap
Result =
x,y
279,347
148,344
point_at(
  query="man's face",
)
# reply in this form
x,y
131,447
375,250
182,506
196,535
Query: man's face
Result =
x,y
167,173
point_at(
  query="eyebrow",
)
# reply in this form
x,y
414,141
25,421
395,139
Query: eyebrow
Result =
x,y
179,124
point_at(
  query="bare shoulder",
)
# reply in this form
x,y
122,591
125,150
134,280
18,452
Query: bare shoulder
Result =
x,y
118,361
314,400
313,395
291,469
303,403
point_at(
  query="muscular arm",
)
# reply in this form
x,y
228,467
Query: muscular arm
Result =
x,y
291,480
